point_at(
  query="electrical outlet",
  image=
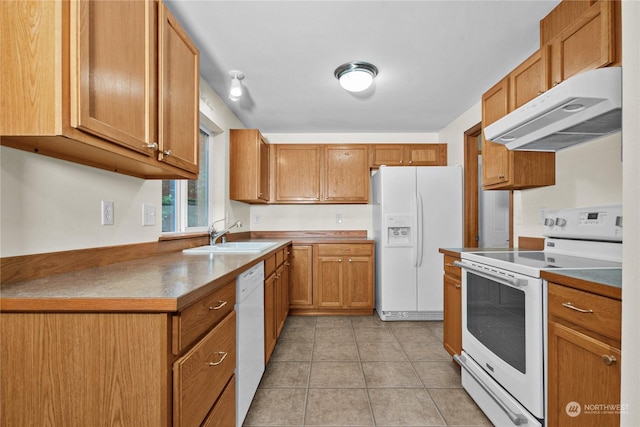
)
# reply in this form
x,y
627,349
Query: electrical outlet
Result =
x,y
256,219
107,212
338,218
542,214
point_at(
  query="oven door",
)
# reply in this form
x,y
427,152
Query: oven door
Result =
x,y
502,330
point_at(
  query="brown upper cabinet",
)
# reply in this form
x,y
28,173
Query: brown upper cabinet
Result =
x,y
296,176
503,169
346,173
94,98
249,166
311,173
586,44
408,155
576,36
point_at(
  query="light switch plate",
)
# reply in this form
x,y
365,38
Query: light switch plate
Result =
x,y
148,214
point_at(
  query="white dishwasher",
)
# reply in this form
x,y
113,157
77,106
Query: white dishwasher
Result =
x,y
249,337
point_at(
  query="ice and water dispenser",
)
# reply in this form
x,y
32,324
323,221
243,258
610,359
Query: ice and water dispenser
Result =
x,y
398,229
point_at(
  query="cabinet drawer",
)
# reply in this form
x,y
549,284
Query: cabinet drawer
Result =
x,y
269,266
280,256
451,269
224,413
199,317
202,373
345,249
599,314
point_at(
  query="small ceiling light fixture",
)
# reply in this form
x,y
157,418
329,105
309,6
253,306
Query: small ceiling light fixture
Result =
x,y
236,86
356,76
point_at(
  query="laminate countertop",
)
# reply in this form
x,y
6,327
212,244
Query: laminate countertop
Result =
x,y
163,283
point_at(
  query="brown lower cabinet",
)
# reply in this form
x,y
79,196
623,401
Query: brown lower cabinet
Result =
x,y
120,368
452,309
332,278
276,298
584,358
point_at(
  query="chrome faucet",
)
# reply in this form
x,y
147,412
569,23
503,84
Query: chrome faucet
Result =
x,y
214,234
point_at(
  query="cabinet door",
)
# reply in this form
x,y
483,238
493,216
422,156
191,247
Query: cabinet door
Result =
x,y
587,44
301,276
248,166
281,299
584,370
529,79
452,338
495,102
329,281
263,183
179,82
297,173
386,154
269,316
346,177
425,155
359,281
113,87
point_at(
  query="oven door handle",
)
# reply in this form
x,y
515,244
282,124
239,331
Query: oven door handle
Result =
x,y
518,283
517,419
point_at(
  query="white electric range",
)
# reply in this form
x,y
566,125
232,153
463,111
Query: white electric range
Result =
x,y
504,310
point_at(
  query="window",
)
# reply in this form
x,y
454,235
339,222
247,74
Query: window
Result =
x,y
185,203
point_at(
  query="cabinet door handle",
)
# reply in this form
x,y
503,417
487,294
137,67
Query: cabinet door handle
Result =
x,y
608,359
220,353
500,176
573,307
219,306
400,161
349,259
458,286
167,153
339,259
152,145
410,162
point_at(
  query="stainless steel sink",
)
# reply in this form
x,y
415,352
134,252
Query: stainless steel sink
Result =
x,y
232,248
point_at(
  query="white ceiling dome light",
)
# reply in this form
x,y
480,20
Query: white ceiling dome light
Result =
x,y
356,76
235,92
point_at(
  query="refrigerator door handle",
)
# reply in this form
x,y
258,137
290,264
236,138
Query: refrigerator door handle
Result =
x,y
414,231
420,230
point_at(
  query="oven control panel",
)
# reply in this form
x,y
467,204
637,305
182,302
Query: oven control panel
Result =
x,y
590,223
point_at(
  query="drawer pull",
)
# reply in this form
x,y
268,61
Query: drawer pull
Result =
x,y
219,306
220,353
608,359
573,307
458,286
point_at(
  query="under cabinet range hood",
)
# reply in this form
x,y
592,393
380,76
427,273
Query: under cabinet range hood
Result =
x,y
583,107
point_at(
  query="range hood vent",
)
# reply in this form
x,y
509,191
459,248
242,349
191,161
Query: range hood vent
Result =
x,y
584,107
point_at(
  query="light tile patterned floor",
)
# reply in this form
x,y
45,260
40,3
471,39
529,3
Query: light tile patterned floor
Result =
x,y
361,371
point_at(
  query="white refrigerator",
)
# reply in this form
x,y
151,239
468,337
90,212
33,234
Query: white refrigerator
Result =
x,y
416,211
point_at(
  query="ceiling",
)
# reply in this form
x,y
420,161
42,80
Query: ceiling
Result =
x,y
435,58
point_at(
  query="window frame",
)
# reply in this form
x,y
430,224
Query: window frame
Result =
x,y
181,193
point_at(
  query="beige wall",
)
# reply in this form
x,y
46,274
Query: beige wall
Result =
x,y
49,205
588,174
